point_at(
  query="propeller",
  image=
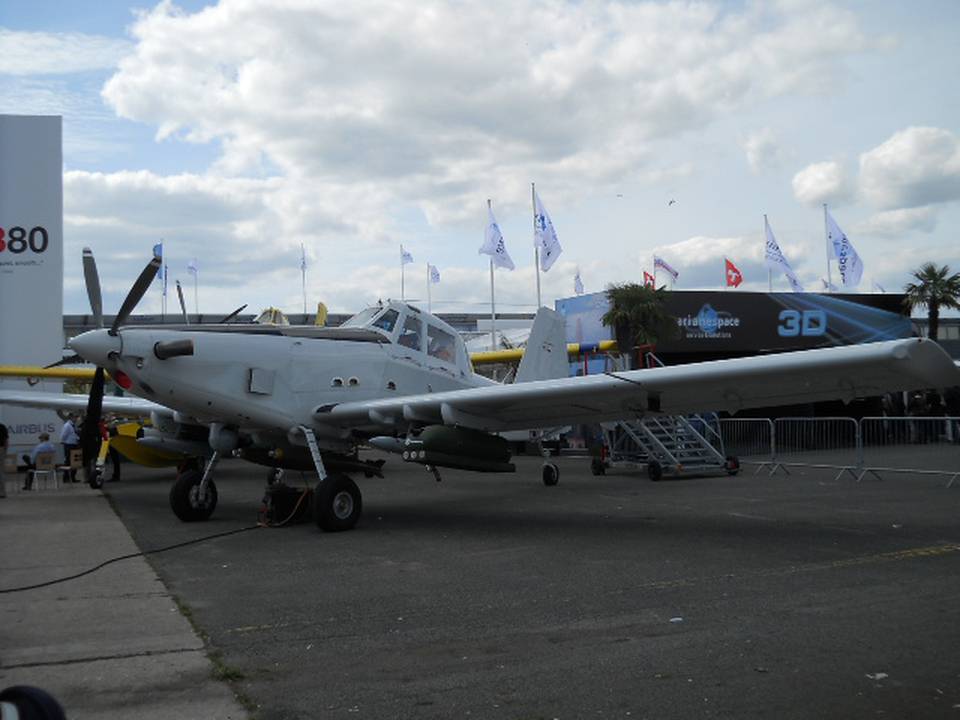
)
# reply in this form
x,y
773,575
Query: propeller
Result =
x,y
183,306
92,280
136,293
90,434
232,315
69,360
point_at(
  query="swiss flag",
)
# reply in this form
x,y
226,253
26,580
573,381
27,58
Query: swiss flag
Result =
x,y
648,279
734,277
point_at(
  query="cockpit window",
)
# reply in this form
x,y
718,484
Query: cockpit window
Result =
x,y
387,321
362,317
441,345
410,335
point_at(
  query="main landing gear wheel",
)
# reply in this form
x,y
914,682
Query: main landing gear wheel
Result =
x,y
654,470
186,501
95,478
337,503
550,474
732,465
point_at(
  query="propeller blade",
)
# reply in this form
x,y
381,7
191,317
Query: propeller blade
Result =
x,y
232,315
136,293
183,306
90,434
70,360
92,280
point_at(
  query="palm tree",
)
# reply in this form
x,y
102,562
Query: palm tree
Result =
x,y
638,315
935,288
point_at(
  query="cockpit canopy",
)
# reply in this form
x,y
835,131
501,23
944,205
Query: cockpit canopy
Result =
x,y
417,331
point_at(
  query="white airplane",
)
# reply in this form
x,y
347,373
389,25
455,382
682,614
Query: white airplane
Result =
x,y
399,379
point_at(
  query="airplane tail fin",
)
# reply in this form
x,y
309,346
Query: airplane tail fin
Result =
x,y
546,355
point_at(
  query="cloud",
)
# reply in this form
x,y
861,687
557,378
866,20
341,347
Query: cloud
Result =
x,y
432,102
763,151
917,166
43,53
823,182
343,125
897,223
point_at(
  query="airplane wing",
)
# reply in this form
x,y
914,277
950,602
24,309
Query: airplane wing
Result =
x,y
126,406
762,381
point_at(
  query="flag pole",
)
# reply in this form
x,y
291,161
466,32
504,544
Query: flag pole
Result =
x,y
429,302
196,302
493,306
769,271
403,295
536,248
303,278
826,233
163,296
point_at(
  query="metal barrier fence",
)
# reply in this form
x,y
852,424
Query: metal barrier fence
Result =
x,y
750,439
917,445
831,442
922,445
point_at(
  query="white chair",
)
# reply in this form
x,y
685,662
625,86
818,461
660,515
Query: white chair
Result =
x,y
46,470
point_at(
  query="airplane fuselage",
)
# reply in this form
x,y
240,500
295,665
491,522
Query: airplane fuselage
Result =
x,y
260,379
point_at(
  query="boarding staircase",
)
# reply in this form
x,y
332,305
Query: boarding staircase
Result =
x,y
665,443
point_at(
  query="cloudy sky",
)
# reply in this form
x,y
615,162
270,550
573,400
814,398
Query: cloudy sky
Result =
x,y
237,131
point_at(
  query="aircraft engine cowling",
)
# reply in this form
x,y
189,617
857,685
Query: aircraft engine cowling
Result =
x,y
461,448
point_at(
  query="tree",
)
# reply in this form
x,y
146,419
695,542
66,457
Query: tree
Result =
x,y
638,315
935,288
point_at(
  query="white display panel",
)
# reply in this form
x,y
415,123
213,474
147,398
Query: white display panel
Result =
x,y
31,261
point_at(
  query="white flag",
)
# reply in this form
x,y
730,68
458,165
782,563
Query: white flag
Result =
x,y
544,236
434,274
661,263
303,258
493,244
577,284
776,260
405,257
850,264
192,266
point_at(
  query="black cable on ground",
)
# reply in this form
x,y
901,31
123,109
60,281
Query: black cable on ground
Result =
x,y
5,591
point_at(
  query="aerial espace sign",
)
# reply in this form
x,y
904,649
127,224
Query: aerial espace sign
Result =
x,y
31,260
741,322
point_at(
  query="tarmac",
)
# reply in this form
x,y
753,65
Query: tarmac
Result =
x,y
491,596
111,644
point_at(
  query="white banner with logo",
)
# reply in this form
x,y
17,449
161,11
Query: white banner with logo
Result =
x,y
31,263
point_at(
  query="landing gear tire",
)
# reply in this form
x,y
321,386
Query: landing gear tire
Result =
x,y
732,465
185,499
337,503
550,474
95,478
654,470
274,475
597,467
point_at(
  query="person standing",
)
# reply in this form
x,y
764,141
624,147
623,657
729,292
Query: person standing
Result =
x,y
70,441
4,442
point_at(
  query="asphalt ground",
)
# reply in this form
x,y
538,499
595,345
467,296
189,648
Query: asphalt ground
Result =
x,y
494,596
